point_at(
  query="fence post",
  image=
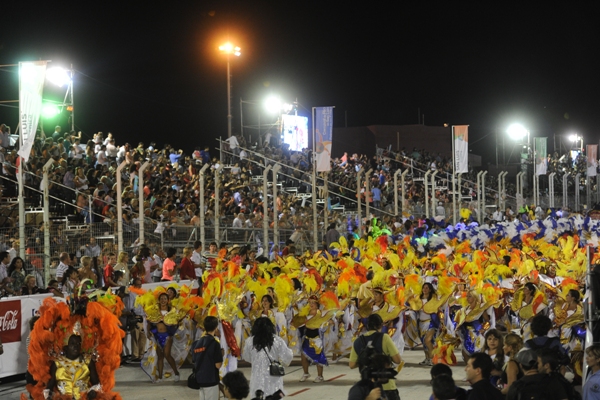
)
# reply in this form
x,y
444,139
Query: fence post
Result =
x,y
577,201
119,206
358,199
217,200
266,208
201,211
141,200
368,192
433,199
47,254
479,195
482,196
565,191
326,198
551,189
403,190
275,169
426,178
314,204
396,190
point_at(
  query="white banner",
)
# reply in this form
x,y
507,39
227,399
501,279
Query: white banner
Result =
x,y
591,151
31,85
460,135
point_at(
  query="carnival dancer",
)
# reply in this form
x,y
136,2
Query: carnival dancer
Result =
x,y
75,349
169,333
528,301
423,320
313,323
568,315
471,323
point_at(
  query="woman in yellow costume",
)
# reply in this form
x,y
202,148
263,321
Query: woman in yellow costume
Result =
x,y
75,349
568,313
423,320
169,333
528,301
472,322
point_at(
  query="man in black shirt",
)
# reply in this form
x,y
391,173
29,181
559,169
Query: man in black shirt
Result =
x,y
534,384
208,358
478,370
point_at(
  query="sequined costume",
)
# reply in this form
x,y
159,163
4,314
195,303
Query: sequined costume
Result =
x,y
260,379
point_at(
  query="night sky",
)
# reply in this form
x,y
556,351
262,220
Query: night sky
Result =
x,y
153,72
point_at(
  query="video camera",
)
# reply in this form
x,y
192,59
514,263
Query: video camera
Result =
x,y
275,396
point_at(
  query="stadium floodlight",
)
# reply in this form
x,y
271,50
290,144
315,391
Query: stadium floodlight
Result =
x,y
58,76
272,104
50,110
229,48
517,131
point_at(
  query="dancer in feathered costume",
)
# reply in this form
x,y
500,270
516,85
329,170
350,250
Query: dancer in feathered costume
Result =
x,y
75,349
527,303
312,321
568,315
168,330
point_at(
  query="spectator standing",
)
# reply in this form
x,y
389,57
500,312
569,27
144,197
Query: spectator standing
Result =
x,y
533,381
332,235
478,370
235,385
382,344
63,265
208,358
260,349
159,258
187,270
591,389
170,267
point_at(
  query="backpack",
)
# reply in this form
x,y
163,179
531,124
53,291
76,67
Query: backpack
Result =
x,y
563,359
367,346
572,394
531,390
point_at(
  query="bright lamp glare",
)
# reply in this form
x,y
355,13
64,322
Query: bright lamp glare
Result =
x,y
229,48
516,131
574,137
58,76
49,111
273,104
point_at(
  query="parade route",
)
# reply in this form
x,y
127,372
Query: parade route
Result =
x,y
132,383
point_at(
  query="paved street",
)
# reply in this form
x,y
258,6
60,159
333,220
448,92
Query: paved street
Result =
x,y
132,383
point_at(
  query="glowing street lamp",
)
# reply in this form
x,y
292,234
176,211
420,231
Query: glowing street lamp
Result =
x,y
274,105
50,110
517,132
229,49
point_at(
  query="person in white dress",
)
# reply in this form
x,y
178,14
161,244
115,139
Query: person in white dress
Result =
x,y
260,349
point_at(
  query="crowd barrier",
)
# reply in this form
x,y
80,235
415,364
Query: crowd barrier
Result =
x,y
15,314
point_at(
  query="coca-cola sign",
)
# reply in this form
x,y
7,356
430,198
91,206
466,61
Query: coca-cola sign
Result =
x,y
10,321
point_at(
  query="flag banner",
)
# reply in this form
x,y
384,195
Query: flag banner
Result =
x,y
323,136
461,148
591,151
541,150
31,85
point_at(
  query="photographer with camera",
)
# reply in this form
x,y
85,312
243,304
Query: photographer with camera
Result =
x,y
375,341
376,373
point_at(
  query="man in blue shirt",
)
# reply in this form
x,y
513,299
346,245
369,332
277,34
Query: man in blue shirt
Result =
x,y
376,193
591,389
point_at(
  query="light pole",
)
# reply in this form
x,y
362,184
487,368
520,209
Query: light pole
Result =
x,y
229,49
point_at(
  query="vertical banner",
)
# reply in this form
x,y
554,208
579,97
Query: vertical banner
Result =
x,y
591,151
31,85
460,137
541,151
322,137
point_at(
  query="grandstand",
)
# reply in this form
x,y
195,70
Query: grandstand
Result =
x,y
169,198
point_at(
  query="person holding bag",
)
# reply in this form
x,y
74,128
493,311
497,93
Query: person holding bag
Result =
x,y
268,355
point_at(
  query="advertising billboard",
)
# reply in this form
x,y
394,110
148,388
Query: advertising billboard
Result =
x,y
295,131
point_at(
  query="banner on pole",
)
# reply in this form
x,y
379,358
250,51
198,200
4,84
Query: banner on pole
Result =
x,y
591,151
323,136
541,150
31,85
461,148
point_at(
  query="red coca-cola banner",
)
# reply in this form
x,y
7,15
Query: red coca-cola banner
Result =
x,y
10,321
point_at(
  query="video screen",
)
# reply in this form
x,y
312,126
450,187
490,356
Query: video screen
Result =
x,y
295,131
